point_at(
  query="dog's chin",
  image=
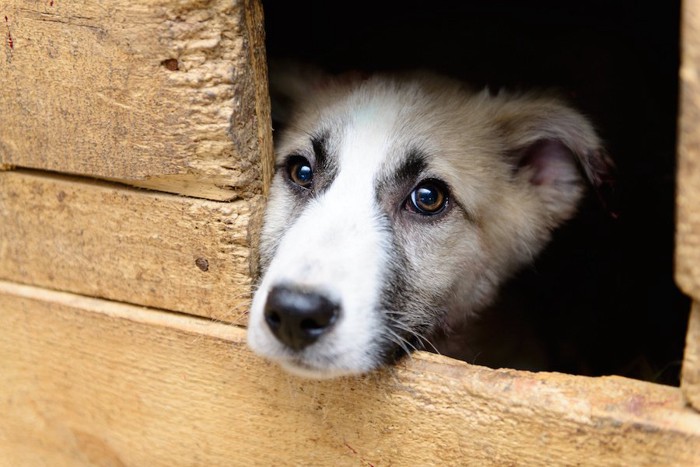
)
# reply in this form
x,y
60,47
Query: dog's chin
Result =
x,y
309,368
303,370
319,361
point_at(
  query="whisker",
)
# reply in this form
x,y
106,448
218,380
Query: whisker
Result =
x,y
404,327
400,341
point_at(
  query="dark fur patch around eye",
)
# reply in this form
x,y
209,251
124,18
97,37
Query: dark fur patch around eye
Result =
x,y
326,169
411,169
323,162
318,143
404,176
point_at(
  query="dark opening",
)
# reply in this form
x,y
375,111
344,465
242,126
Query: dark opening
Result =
x,y
603,294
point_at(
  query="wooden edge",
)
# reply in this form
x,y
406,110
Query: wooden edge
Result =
x,y
687,258
257,58
117,242
216,189
690,380
93,381
163,94
124,311
255,31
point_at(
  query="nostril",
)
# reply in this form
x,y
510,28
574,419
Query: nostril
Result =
x,y
309,324
298,318
273,319
312,325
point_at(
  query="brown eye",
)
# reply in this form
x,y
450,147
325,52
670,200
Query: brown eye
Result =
x,y
428,198
300,171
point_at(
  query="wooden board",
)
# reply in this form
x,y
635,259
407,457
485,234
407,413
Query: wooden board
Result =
x,y
690,381
688,197
126,244
170,95
92,382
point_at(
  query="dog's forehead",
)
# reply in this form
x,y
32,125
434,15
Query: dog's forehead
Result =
x,y
377,129
374,137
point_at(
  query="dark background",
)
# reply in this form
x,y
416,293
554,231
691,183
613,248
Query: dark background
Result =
x,y
602,296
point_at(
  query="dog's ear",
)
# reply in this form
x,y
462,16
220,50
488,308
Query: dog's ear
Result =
x,y
291,83
555,151
294,83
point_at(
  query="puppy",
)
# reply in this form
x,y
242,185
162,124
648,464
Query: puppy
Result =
x,y
400,205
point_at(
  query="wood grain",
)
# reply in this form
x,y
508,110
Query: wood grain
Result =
x,y
170,95
92,382
126,244
690,381
688,192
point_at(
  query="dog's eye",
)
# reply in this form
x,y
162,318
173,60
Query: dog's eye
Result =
x,y
300,171
428,198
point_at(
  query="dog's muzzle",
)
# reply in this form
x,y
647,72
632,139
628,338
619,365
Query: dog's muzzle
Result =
x,y
299,318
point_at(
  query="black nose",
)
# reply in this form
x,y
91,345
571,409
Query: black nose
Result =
x,y
298,318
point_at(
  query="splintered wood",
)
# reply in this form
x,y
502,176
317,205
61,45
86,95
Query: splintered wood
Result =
x,y
93,382
691,363
169,95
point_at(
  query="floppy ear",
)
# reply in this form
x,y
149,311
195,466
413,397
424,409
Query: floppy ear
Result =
x,y
556,152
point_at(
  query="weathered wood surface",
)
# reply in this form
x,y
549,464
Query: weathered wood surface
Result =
x,y
126,244
688,197
690,381
170,95
93,382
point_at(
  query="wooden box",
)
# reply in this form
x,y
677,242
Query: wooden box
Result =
x,y
122,309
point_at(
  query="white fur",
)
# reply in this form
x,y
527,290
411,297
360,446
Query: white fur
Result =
x,y
336,246
334,241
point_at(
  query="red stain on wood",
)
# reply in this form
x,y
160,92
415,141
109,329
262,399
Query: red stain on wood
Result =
x,y
356,453
351,448
10,41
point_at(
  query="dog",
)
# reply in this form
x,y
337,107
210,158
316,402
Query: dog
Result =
x,y
400,204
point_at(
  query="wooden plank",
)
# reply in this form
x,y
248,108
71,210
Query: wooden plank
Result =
x,y
688,194
86,382
690,381
126,244
170,95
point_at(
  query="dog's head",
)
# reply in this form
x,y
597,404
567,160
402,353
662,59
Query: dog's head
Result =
x,y
399,206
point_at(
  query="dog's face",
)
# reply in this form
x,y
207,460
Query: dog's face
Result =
x,y
398,207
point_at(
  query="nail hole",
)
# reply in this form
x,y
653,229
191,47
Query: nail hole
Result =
x,y
171,64
202,264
